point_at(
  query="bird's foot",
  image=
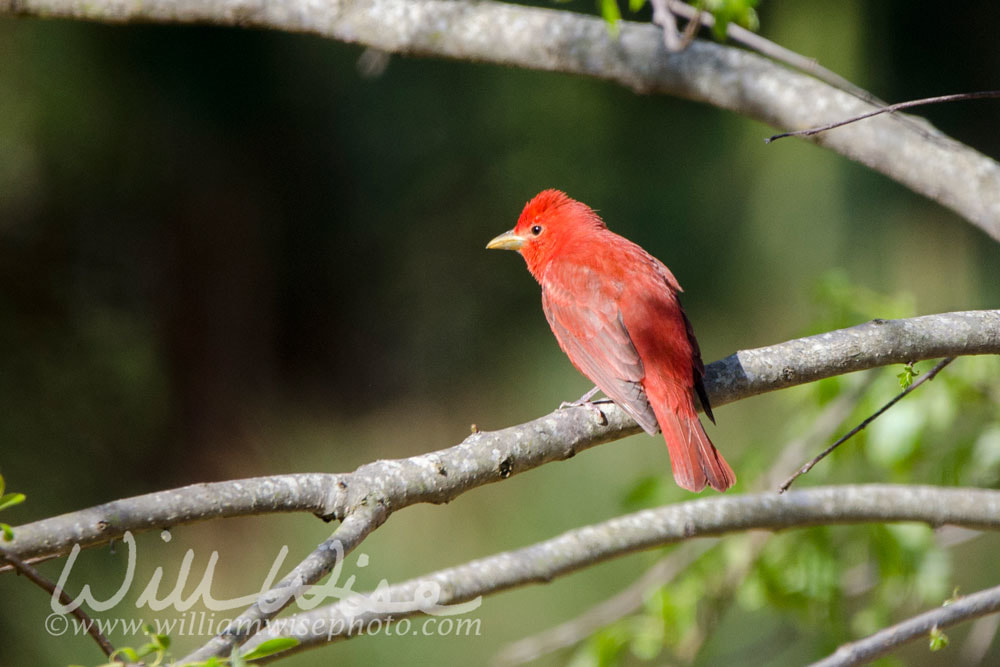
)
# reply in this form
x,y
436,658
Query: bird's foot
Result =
x,y
585,402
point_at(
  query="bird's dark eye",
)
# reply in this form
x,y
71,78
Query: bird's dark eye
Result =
x,y
536,230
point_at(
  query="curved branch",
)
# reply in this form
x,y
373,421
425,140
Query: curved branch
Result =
x,y
583,547
884,641
486,457
317,565
156,511
923,160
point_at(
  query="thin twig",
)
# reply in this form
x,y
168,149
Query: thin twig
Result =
x,y
691,29
822,455
355,528
885,640
77,610
663,17
985,94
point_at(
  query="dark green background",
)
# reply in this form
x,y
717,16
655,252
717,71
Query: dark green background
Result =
x,y
227,253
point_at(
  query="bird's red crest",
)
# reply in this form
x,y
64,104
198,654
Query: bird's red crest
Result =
x,y
555,206
544,203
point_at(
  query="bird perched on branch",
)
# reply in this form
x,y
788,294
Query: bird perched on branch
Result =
x,y
613,308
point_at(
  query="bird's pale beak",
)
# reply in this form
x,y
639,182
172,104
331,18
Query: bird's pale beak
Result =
x,y
506,241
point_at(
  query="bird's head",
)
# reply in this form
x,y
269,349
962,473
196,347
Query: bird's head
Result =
x,y
547,224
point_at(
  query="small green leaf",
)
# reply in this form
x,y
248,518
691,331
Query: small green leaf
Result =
x,y
270,647
938,639
612,15
126,652
636,5
145,649
11,499
906,377
3,485
211,662
8,534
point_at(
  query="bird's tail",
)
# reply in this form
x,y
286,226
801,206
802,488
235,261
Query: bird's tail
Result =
x,y
695,460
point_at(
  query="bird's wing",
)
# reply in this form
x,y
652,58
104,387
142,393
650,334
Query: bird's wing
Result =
x,y
589,327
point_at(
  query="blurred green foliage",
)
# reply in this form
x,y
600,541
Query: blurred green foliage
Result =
x,y
227,253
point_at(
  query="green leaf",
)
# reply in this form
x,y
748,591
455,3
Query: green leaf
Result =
x,y
636,5
3,485
740,12
270,647
906,377
126,652
612,15
647,637
11,499
938,639
211,662
8,534
146,649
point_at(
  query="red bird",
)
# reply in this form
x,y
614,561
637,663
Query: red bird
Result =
x,y
614,310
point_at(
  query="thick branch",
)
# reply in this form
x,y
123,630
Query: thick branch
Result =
x,y
875,343
163,509
717,515
924,160
486,457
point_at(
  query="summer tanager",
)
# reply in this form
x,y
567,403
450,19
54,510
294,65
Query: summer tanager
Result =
x,y
614,310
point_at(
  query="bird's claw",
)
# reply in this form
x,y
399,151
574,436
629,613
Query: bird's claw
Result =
x,y
602,419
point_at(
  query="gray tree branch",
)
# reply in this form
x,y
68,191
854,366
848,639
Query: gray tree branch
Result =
x,y
317,565
576,549
486,457
919,627
923,160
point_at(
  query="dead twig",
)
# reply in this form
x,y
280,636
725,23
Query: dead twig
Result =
x,y
822,455
985,94
44,583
